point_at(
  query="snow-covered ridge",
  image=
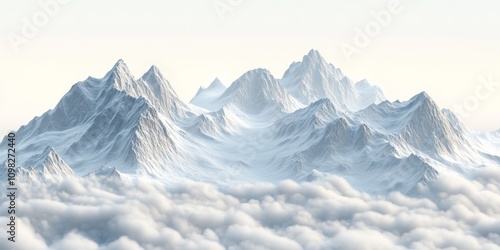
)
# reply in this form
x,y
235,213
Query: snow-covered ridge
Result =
x,y
204,96
311,123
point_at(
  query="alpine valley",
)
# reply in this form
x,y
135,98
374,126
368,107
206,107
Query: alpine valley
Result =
x,y
311,123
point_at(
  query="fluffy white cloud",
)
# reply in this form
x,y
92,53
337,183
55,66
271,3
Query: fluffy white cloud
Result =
x,y
453,212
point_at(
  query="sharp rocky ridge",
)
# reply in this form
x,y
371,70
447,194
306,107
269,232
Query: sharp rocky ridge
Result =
x,y
312,122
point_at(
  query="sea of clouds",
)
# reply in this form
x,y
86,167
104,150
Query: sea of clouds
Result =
x,y
452,213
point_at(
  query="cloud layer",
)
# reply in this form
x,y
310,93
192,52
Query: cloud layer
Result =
x,y
453,212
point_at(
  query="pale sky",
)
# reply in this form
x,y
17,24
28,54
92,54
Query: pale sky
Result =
x,y
442,47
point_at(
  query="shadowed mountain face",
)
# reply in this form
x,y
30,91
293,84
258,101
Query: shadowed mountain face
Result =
x,y
313,122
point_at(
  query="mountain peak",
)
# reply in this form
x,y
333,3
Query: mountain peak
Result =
x,y
153,73
313,54
423,99
105,171
252,79
314,59
120,66
119,76
258,72
152,86
423,95
140,127
53,165
204,96
154,69
216,84
256,90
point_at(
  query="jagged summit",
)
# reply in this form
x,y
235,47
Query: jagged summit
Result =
x,y
257,91
313,53
314,56
154,75
108,173
363,83
151,81
53,165
152,86
422,97
252,80
205,96
120,65
313,79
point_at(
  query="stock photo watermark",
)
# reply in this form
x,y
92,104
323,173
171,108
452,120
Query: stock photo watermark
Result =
x,y
31,25
484,90
222,7
373,28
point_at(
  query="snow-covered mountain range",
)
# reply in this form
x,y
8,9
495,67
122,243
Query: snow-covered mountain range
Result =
x,y
312,122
